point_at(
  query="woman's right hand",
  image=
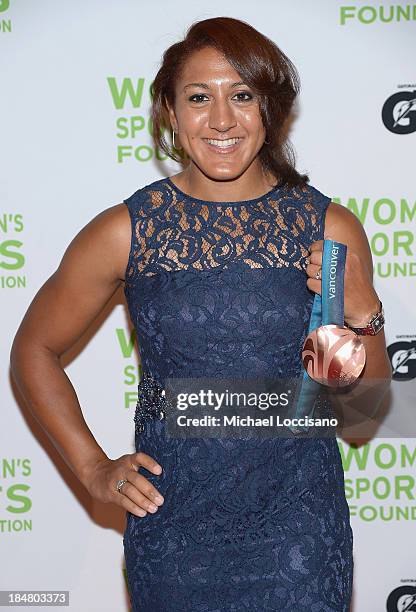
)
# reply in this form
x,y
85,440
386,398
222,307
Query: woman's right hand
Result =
x,y
138,495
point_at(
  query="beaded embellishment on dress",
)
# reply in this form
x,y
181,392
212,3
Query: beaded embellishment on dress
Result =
x,y
151,402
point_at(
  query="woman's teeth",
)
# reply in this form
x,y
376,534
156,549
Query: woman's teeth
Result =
x,y
223,143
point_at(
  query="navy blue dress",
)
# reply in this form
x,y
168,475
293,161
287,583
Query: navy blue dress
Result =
x,y
217,289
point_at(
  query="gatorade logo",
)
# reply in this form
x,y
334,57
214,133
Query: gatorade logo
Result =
x,y
403,359
402,599
399,112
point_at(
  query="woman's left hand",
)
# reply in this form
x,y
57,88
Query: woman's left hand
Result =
x,y
360,298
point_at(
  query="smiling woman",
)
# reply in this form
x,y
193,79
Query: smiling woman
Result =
x,y
221,264
246,524
226,91
234,124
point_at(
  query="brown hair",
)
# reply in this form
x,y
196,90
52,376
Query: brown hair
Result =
x,y
262,66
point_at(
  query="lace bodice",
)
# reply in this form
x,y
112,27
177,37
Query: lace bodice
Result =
x,y
173,231
218,288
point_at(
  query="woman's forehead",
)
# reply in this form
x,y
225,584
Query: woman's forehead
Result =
x,y
207,66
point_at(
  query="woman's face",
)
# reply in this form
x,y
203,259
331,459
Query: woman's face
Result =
x,y
213,108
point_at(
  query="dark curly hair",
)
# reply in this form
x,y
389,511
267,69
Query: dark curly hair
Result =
x,y
262,66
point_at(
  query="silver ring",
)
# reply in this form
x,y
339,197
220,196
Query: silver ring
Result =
x,y
120,483
318,274
307,261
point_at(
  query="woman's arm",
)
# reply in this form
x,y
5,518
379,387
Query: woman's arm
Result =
x,y
91,270
360,302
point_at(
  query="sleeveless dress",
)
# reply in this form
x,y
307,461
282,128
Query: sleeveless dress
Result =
x,y
217,289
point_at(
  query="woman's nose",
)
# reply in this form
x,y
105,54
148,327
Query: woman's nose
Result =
x,y
221,116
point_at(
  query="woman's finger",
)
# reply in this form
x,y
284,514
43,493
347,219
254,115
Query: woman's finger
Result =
x,y
312,269
315,257
145,487
314,285
127,504
140,458
136,497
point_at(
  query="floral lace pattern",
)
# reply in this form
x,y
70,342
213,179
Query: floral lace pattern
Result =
x,y
177,233
218,289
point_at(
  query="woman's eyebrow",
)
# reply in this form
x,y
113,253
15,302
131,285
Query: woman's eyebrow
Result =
x,y
205,86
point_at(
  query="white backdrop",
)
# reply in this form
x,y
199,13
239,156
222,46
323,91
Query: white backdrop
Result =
x,y
70,85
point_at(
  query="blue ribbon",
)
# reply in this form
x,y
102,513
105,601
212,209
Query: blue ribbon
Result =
x,y
327,309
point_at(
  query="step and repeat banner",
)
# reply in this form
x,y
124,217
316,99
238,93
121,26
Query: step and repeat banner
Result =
x,y
75,139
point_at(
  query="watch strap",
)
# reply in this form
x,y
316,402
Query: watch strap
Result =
x,y
374,326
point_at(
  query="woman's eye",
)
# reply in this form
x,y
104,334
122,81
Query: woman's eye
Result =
x,y
197,97
245,93
192,98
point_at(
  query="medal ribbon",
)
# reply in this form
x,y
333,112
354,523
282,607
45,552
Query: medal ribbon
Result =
x,y
327,309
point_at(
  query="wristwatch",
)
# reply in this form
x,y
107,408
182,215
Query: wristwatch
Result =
x,y
375,324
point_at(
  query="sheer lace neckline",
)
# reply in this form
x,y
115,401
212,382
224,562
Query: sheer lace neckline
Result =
x,y
190,198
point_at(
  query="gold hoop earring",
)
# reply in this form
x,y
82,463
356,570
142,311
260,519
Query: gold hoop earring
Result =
x,y
173,142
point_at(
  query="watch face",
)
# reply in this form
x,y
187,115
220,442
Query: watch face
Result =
x,y
377,324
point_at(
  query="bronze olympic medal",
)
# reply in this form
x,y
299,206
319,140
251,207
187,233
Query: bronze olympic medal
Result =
x,y
333,355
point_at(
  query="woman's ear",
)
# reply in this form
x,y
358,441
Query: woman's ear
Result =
x,y
172,116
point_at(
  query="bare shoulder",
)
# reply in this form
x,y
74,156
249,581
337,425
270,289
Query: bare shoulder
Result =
x,y
107,237
90,272
343,226
117,220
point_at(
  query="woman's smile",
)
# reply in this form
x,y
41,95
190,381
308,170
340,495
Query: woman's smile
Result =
x,y
222,146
